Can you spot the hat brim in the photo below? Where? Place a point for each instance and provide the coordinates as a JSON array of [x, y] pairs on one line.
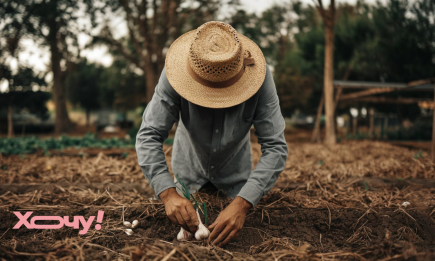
[[191, 90]]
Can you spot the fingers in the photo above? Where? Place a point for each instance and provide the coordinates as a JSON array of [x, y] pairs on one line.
[[213, 225], [173, 219], [217, 229], [181, 221], [192, 213], [230, 237], [222, 235], [189, 216]]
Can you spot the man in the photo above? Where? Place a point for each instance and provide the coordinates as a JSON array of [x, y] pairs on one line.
[[216, 84]]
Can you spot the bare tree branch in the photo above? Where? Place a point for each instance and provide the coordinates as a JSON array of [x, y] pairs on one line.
[[332, 11], [321, 9], [109, 40], [320, 4]]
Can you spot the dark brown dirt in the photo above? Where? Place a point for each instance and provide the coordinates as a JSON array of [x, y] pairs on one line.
[[374, 234], [349, 207]]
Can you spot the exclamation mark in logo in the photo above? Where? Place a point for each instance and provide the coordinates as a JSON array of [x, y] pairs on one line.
[[99, 219]]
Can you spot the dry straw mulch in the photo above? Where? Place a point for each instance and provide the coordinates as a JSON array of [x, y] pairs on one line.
[[347, 176]]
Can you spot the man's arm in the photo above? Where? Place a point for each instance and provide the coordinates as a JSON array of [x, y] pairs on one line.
[[159, 117], [269, 125], [269, 129]]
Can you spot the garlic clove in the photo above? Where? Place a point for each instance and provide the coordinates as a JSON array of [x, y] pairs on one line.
[[135, 224], [127, 224], [128, 231], [202, 232], [184, 235], [406, 203]]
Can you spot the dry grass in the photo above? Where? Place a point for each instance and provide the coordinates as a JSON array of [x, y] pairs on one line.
[[315, 177]]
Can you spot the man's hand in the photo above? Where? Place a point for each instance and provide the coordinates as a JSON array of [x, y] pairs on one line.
[[179, 210], [230, 222]]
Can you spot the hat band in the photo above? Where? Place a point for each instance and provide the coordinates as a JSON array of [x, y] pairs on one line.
[[223, 84]]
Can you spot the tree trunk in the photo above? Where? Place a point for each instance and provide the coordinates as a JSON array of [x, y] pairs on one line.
[[10, 123], [433, 130], [316, 132], [330, 138], [151, 82], [62, 121]]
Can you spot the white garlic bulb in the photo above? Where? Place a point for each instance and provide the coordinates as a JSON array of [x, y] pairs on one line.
[[202, 232], [135, 224], [128, 231], [184, 235], [127, 224]]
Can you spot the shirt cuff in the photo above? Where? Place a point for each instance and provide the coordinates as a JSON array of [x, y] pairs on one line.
[[251, 192], [161, 183]]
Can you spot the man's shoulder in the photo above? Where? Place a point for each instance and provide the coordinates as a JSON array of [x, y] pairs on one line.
[[164, 79], [268, 87], [164, 87]]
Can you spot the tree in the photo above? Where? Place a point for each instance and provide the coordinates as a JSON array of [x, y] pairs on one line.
[[84, 84], [152, 27], [328, 81], [20, 95], [51, 23], [92, 86], [406, 46], [20, 83], [124, 86]]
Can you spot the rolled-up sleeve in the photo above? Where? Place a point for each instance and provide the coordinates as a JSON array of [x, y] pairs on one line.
[[159, 117], [269, 128]]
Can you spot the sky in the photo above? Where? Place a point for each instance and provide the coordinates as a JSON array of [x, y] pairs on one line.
[[39, 58]]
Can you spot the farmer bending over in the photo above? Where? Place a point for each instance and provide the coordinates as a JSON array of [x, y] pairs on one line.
[[216, 84]]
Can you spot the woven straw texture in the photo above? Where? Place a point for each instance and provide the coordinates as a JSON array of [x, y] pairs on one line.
[[215, 52]]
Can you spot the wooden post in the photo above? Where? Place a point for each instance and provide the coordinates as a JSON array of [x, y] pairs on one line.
[[433, 130], [371, 122], [10, 122], [354, 125], [315, 137], [385, 127]]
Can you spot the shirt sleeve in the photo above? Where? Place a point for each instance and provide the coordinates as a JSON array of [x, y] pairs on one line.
[[158, 118], [269, 128]]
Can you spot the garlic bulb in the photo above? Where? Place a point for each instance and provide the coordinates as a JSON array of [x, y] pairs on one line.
[[184, 235], [128, 231], [127, 224], [135, 224], [202, 232]]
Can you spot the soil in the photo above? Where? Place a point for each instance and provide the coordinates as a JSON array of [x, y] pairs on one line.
[[347, 208]]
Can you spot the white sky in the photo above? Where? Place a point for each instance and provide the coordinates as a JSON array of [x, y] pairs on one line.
[[39, 57]]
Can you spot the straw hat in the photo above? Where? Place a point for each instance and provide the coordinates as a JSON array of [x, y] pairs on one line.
[[214, 66]]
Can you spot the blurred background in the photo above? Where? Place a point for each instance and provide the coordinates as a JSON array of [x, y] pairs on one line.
[[88, 68]]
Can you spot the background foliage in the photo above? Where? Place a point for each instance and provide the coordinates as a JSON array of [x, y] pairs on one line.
[[392, 42]]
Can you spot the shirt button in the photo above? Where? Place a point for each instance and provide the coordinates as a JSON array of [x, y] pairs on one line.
[[212, 167], [217, 131], [214, 150]]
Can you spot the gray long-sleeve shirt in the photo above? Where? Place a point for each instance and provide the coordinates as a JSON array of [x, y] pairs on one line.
[[213, 144]]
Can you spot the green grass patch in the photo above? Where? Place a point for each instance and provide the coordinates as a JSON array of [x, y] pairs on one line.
[[29, 145]]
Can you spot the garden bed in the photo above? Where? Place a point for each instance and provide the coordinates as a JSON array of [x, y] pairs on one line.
[[331, 203]]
